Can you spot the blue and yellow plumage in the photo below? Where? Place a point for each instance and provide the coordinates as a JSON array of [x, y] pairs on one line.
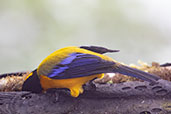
[[72, 67]]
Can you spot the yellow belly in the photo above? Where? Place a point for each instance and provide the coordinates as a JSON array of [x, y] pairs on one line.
[[74, 84]]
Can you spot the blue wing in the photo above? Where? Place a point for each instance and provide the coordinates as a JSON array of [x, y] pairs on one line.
[[80, 65]]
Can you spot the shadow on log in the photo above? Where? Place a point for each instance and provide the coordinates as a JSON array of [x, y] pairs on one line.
[[124, 98]]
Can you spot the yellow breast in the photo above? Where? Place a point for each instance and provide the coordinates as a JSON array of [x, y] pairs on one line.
[[74, 84]]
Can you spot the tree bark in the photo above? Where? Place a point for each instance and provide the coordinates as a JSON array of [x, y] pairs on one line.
[[124, 98]]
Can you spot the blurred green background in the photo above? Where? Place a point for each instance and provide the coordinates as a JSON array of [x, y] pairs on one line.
[[32, 29]]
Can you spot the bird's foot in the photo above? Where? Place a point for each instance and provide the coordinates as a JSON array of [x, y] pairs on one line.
[[56, 92], [89, 86]]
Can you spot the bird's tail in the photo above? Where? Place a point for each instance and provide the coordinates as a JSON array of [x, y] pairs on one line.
[[125, 70]]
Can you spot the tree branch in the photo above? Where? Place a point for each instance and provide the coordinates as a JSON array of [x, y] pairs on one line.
[[124, 98]]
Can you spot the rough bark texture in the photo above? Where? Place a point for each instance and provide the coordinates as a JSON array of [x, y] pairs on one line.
[[124, 98]]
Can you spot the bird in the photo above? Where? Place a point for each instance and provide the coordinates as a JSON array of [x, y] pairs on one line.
[[72, 67]]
